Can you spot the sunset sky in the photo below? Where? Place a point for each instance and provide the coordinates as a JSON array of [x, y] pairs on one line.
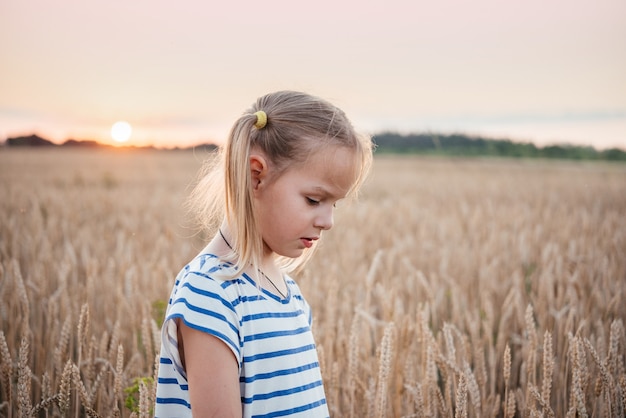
[[547, 71]]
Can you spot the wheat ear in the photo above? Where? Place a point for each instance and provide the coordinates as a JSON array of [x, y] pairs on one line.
[[605, 377], [622, 387], [506, 370], [418, 398], [472, 388], [510, 406], [461, 398], [548, 367], [384, 369], [613, 355], [532, 339], [144, 400], [80, 387], [6, 369], [544, 405], [24, 404], [117, 381], [65, 388], [578, 377]]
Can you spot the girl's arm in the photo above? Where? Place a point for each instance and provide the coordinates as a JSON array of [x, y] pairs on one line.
[[212, 374]]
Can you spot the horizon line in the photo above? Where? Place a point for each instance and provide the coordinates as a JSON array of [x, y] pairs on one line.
[[215, 144]]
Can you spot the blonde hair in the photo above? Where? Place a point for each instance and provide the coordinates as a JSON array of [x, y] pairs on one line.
[[298, 125]]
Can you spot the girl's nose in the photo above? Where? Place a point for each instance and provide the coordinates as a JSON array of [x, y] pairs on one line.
[[325, 219]]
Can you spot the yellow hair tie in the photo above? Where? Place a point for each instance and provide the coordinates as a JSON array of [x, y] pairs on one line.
[[261, 119]]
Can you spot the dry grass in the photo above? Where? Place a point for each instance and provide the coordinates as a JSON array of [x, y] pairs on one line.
[[453, 288]]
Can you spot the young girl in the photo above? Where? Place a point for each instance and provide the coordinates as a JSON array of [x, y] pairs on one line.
[[237, 336]]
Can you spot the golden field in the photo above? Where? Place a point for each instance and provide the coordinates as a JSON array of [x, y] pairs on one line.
[[452, 287]]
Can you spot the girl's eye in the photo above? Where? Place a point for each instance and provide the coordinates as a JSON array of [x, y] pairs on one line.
[[312, 202]]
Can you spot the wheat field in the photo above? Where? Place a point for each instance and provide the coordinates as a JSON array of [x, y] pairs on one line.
[[451, 288]]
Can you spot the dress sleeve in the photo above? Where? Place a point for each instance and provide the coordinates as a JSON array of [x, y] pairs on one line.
[[202, 303]]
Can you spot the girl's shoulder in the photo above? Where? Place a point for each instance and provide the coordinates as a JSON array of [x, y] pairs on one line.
[[209, 275], [210, 264], [206, 271]]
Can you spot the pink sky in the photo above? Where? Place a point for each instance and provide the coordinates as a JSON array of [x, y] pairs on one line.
[[180, 73]]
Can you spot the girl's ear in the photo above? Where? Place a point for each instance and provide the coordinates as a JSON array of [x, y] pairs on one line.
[[258, 170]]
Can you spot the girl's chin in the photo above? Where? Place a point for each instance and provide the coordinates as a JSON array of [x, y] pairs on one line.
[[293, 253]]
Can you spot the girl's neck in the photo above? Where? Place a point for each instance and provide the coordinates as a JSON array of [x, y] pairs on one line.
[[224, 236], [268, 272]]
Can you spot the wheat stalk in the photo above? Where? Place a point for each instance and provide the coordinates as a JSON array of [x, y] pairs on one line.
[[84, 396], [614, 337], [507, 378], [95, 387], [61, 347], [353, 361], [82, 330], [146, 338], [384, 370], [532, 339], [371, 398], [23, 298], [371, 275]]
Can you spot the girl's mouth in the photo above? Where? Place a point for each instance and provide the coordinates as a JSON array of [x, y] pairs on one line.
[[308, 242]]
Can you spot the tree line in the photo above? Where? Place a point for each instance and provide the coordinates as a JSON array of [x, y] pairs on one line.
[[420, 143], [464, 145]]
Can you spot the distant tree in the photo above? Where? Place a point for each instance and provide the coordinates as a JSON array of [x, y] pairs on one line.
[[613, 154], [81, 143], [29, 141], [464, 145]]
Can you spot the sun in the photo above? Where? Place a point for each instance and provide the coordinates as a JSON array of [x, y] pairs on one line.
[[120, 131]]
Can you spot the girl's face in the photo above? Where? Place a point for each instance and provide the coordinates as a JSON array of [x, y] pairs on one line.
[[294, 208]]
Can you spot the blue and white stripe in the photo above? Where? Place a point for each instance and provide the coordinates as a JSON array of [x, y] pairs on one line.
[[270, 337]]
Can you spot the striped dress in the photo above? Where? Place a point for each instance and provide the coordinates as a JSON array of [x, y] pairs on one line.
[[271, 338]]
